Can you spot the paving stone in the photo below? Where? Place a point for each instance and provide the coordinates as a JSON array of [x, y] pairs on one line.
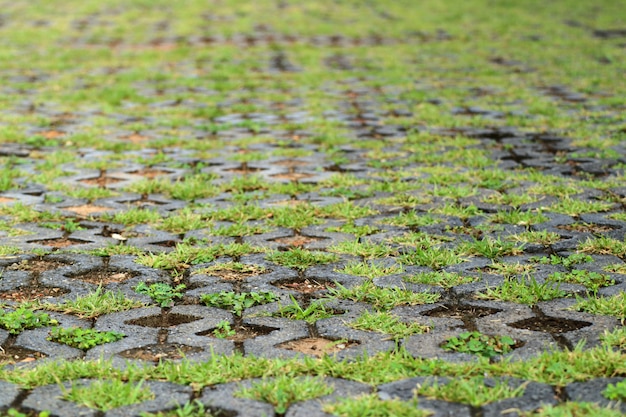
[[8, 394]]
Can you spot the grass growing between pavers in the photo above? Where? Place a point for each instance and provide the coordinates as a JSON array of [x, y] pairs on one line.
[[366, 139]]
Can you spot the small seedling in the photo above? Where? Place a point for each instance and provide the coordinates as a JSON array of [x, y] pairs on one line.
[[23, 319], [616, 392], [236, 303], [480, 344], [283, 391], [223, 330], [316, 310], [161, 293], [80, 338]]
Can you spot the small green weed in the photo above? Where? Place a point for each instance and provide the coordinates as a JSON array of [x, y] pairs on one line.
[[236, 303], [480, 344], [615, 392], [82, 338], [383, 299], [223, 330], [282, 391], [440, 278], [23, 318], [301, 258], [315, 311], [161, 293], [592, 280], [387, 323], [524, 291], [95, 304], [371, 406], [607, 306]]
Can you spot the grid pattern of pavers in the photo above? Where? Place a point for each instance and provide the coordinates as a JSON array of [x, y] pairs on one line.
[[202, 161]]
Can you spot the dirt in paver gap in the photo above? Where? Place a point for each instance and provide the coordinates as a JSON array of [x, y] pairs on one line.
[[31, 293], [17, 354], [297, 240], [163, 320], [103, 276], [304, 286], [36, 266], [466, 313], [242, 332], [552, 325], [586, 228], [317, 346], [59, 243], [87, 209], [156, 352]]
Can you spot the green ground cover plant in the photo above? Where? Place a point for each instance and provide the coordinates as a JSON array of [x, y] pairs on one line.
[[161, 293], [480, 344], [23, 318], [82, 338], [435, 134]]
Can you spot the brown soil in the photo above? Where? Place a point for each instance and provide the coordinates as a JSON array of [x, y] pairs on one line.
[[87, 209], [135, 138], [16, 354], [297, 240], [36, 266], [6, 200], [101, 181], [586, 228], [151, 172], [292, 176], [243, 169], [52, 134], [305, 286], [316, 346], [154, 353], [243, 332], [461, 312], [163, 320], [290, 163], [237, 276], [103, 277], [550, 324], [61, 242], [289, 203], [32, 293]]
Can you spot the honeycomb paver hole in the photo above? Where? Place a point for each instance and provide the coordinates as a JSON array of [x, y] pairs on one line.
[[297, 240], [242, 332], [156, 352], [87, 209], [150, 172], [6, 200], [229, 275], [550, 324], [290, 163], [304, 286], [461, 311], [292, 176], [36, 266], [317, 346], [61, 242], [32, 293], [586, 228], [103, 277], [18, 354], [135, 138], [101, 181], [243, 169], [163, 320]]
